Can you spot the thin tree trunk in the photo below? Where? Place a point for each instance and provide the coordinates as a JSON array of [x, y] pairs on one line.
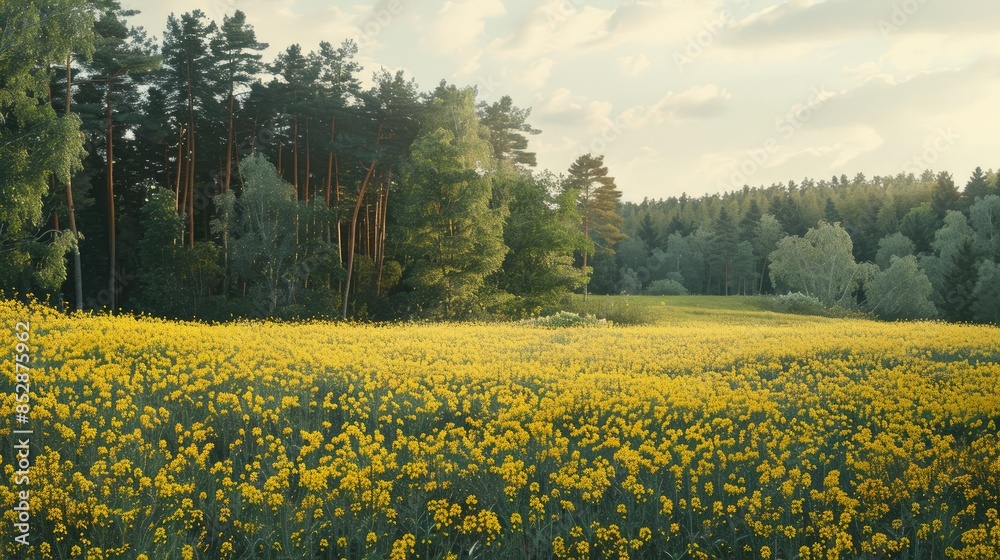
[[295, 155], [329, 177], [179, 201], [336, 185], [77, 268], [726, 273], [366, 224], [112, 285], [295, 173], [381, 241], [351, 237], [586, 236], [191, 154], [189, 188], [306, 181], [166, 164], [229, 145]]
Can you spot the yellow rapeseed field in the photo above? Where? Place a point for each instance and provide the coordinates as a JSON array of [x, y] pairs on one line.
[[710, 434]]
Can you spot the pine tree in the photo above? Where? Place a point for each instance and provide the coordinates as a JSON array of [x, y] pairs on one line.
[[507, 127], [597, 198], [190, 80], [235, 47], [648, 233], [960, 283], [945, 195], [749, 221], [725, 240], [123, 54], [830, 213], [977, 187]]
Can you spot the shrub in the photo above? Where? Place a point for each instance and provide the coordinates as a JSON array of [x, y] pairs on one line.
[[666, 288], [564, 319], [629, 282], [616, 309], [799, 304]]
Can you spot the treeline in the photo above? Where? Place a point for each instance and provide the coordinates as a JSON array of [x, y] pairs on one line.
[[191, 178], [901, 247]]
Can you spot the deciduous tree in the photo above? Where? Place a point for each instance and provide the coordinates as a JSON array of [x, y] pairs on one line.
[[820, 264], [900, 291]]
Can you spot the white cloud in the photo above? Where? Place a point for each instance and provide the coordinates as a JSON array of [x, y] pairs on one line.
[[861, 140], [458, 30], [645, 155], [852, 141], [841, 20], [461, 24], [699, 102], [562, 107], [554, 27], [632, 66], [538, 73]]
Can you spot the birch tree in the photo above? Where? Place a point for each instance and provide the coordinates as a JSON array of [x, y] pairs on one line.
[[820, 264]]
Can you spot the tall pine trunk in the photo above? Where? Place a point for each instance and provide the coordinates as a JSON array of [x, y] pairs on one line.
[[77, 268], [329, 178], [295, 156], [306, 179], [179, 201], [112, 285], [382, 234], [191, 155], [352, 234], [229, 145], [586, 278]]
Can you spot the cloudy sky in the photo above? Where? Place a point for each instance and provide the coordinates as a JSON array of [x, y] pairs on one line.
[[696, 96]]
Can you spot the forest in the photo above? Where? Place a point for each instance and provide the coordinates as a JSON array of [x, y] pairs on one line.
[[192, 178]]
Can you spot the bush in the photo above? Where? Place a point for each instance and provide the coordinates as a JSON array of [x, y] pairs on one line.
[[564, 319], [629, 282], [666, 288], [799, 304], [616, 309]]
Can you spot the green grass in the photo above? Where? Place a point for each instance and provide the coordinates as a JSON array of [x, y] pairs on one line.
[[637, 310]]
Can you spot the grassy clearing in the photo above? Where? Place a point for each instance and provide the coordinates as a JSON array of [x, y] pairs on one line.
[[635, 310]]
